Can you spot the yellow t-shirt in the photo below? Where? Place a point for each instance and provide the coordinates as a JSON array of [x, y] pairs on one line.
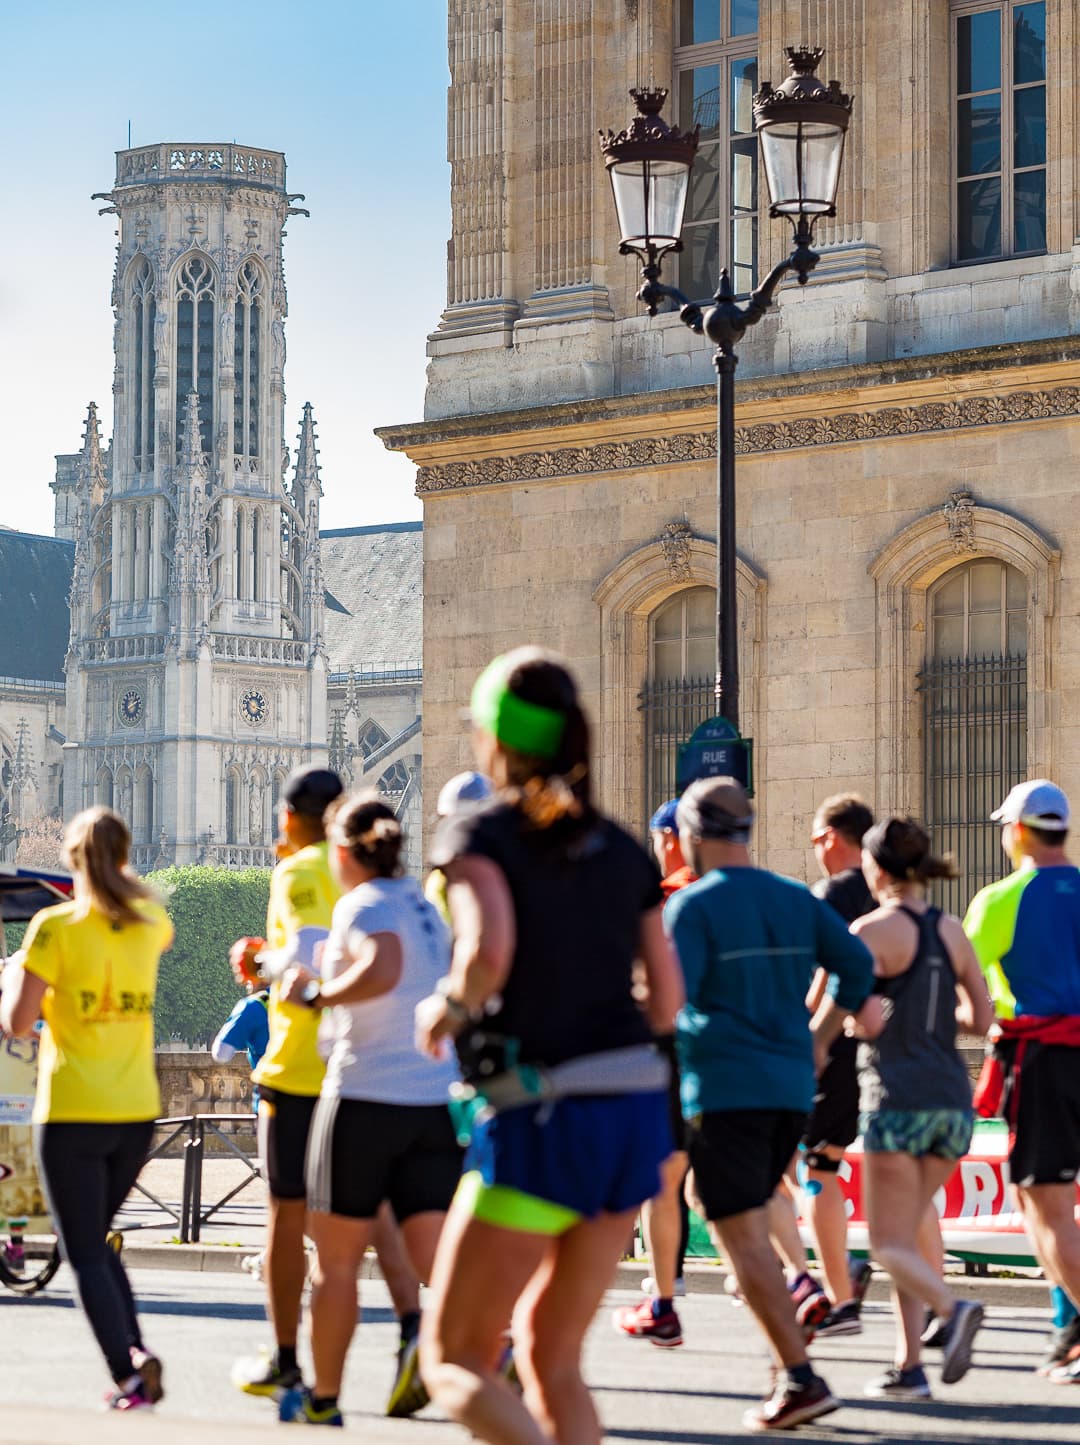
[[96, 1063], [302, 896]]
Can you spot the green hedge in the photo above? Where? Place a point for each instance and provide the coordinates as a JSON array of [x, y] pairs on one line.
[[210, 909]]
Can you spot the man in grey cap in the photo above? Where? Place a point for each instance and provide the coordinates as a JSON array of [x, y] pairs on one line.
[[1026, 932], [750, 943]]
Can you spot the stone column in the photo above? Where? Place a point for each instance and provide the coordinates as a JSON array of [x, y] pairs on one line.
[[476, 270], [565, 172]]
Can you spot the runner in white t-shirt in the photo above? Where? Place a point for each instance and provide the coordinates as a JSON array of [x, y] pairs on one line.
[[381, 1129]]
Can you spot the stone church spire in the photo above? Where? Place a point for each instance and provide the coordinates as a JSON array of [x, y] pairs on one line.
[[93, 479], [306, 483], [90, 582]]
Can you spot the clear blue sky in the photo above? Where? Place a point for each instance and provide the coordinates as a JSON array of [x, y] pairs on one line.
[[353, 93]]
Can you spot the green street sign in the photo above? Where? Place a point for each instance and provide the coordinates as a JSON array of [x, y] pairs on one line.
[[715, 750]]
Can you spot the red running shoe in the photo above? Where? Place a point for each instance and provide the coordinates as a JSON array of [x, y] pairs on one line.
[[641, 1323], [811, 1304]]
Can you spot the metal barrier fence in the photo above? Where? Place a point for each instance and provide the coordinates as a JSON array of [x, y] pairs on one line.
[[188, 1135]]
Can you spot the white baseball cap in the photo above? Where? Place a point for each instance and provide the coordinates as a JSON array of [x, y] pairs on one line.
[[1039, 804], [461, 792]]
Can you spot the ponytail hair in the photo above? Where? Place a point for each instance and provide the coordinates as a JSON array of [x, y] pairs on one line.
[[901, 847], [96, 844], [368, 830], [555, 788]]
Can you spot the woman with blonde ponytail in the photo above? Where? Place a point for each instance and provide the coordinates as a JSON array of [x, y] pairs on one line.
[[552, 905], [89, 969]]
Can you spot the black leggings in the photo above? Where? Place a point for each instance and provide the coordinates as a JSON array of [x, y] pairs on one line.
[[87, 1171]]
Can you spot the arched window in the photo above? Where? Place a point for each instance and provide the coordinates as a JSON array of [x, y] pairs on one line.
[[394, 781], [683, 636], [371, 737], [144, 806], [234, 805], [103, 788], [679, 692], [254, 556], [974, 694], [195, 342], [143, 315], [246, 358]]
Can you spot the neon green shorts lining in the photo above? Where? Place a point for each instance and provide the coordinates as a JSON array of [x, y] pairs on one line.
[[510, 1208]]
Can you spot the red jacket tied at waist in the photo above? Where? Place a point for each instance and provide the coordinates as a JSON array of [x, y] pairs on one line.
[[1015, 1035]]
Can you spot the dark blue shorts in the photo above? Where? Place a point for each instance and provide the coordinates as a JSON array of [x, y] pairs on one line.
[[592, 1155]]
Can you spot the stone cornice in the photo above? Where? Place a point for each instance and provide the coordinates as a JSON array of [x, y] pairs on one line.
[[911, 379], [808, 431]]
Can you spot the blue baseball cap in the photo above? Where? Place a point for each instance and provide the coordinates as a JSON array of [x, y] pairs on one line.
[[1038, 804], [663, 820]]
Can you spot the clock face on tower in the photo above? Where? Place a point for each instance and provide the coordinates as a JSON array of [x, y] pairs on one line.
[[129, 707], [254, 708]]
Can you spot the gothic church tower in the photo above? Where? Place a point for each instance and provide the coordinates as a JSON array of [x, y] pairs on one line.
[[196, 676]]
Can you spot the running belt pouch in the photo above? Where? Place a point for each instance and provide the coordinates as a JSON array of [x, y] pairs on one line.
[[638, 1068]]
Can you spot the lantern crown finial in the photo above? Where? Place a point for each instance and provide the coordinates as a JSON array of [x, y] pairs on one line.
[[803, 59], [803, 85], [648, 134]]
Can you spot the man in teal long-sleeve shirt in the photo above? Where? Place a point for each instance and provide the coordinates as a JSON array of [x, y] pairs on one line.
[[750, 943]]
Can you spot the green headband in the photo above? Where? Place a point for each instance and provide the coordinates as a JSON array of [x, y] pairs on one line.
[[524, 726]]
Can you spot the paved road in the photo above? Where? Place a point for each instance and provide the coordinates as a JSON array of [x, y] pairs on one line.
[[51, 1377]]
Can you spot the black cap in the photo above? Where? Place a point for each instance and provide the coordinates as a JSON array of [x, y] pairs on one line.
[[310, 791]]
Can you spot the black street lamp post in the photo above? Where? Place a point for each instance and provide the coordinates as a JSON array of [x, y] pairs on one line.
[[801, 127]]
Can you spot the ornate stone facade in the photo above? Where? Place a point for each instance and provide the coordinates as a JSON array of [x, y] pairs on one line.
[[196, 672], [900, 419]]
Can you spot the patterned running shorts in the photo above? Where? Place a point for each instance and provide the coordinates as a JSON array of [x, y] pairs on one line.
[[944, 1132]]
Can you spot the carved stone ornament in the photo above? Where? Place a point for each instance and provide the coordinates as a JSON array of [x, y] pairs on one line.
[[934, 416], [959, 514], [675, 542]]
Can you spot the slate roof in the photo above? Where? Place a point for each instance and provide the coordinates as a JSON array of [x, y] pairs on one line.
[[35, 579], [374, 596], [374, 600]]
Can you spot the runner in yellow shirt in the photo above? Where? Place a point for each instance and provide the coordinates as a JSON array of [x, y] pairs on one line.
[[289, 1075], [89, 969]]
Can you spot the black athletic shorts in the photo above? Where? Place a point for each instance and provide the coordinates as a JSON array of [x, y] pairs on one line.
[[739, 1156], [362, 1153], [834, 1118], [1043, 1109], [283, 1125]]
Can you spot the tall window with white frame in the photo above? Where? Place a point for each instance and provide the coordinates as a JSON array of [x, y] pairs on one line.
[[999, 79], [974, 693], [716, 75], [678, 693]]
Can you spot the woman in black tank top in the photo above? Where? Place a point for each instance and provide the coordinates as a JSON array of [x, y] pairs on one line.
[[915, 1095]]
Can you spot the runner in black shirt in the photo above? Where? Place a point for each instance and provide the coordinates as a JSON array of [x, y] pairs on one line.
[[551, 905], [837, 832]]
